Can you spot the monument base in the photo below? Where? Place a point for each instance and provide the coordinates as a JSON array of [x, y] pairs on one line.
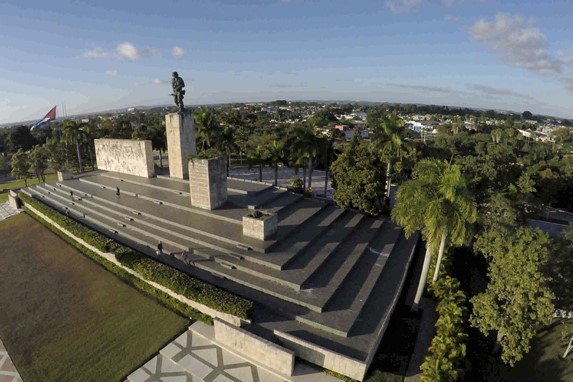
[[180, 130]]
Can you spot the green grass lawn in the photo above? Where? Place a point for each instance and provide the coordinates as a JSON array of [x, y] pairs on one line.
[[19, 183], [65, 318]]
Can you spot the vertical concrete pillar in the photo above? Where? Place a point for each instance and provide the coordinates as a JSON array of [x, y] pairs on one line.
[[180, 129], [208, 182]]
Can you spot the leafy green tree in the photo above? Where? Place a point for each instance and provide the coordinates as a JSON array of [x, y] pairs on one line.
[[38, 158], [57, 154], [21, 165], [517, 300], [20, 138], [322, 118], [358, 178]]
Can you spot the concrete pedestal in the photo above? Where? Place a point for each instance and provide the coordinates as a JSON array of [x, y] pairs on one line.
[[180, 129], [260, 225], [65, 175], [208, 182]]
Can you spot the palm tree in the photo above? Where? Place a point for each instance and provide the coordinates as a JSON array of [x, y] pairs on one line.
[[276, 154], [227, 145], [387, 140], [437, 202], [305, 146], [258, 157], [73, 134], [207, 128], [327, 148]]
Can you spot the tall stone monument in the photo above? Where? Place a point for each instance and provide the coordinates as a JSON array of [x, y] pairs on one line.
[[180, 129]]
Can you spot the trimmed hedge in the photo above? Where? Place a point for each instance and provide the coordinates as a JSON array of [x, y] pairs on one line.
[[445, 360], [150, 269]]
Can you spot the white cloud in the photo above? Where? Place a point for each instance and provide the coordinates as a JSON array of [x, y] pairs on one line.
[[517, 42], [158, 81], [177, 51], [96, 53], [128, 51], [402, 6], [113, 73]]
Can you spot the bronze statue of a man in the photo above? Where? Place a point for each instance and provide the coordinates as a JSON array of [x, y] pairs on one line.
[[178, 84]]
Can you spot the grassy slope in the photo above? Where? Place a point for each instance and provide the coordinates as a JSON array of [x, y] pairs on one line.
[[19, 183], [65, 318]]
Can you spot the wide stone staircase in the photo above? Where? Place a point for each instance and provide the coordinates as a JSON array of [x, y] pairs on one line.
[[329, 278]]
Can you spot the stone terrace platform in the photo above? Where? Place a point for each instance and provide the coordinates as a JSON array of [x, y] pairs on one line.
[[324, 286]]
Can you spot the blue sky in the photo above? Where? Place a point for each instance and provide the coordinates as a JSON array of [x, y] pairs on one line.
[[99, 55]]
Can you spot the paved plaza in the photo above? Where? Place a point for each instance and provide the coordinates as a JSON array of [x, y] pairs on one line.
[[6, 211], [8, 372]]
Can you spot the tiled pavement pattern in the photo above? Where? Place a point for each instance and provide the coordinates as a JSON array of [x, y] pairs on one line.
[[193, 357], [6, 211], [8, 372]]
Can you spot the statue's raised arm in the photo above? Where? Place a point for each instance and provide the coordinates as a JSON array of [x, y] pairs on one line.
[[178, 84]]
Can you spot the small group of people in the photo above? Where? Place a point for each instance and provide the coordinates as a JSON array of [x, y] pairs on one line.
[[185, 256]]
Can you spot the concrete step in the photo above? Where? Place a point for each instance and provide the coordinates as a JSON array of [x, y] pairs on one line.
[[325, 247], [153, 183], [185, 237], [333, 271], [341, 319], [163, 216], [281, 202], [387, 290], [130, 230], [161, 198], [358, 283], [143, 244], [300, 235]]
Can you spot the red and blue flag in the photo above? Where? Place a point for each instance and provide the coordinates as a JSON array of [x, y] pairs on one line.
[[46, 120]]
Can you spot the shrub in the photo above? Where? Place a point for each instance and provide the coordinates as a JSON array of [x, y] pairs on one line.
[[150, 269], [445, 360]]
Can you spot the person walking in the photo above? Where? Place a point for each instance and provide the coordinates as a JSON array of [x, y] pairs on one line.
[[117, 191], [72, 195], [159, 248]]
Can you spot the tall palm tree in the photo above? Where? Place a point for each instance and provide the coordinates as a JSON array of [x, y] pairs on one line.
[[327, 148], [73, 134], [437, 202], [306, 146], [276, 154], [258, 157], [388, 141], [227, 145]]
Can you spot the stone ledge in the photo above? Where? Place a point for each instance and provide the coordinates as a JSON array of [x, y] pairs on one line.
[[271, 355]]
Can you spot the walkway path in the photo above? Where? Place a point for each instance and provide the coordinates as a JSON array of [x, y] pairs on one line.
[[6, 211], [426, 333], [8, 372]]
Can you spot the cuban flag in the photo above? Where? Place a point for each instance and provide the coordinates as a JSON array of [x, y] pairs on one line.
[[46, 120]]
